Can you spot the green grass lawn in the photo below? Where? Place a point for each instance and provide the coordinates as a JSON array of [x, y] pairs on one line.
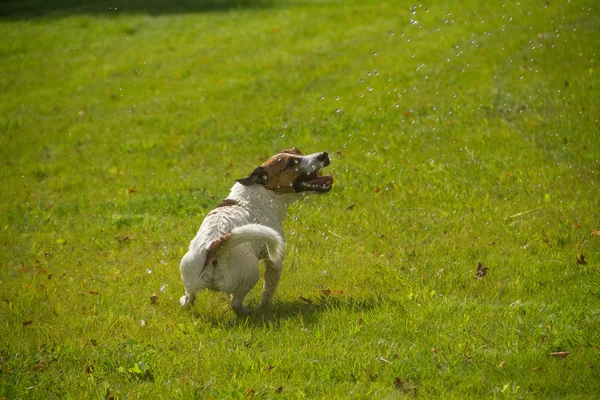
[[460, 133]]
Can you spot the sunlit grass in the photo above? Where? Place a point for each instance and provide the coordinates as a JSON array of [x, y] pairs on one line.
[[460, 133]]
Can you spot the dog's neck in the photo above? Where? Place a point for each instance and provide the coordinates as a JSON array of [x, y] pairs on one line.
[[254, 195]]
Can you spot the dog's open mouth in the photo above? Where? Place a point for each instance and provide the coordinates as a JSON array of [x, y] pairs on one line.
[[314, 182]]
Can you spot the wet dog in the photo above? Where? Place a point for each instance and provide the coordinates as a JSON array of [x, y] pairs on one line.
[[247, 227]]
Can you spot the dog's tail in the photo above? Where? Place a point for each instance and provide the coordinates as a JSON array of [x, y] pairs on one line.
[[250, 233]]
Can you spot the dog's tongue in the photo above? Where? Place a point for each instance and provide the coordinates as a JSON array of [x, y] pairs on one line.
[[321, 179]]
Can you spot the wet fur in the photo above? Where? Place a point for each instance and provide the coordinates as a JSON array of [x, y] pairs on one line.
[[244, 229]]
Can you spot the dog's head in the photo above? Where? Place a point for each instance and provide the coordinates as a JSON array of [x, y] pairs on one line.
[[290, 171]]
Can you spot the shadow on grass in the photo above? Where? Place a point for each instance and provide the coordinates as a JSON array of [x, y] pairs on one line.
[[309, 312], [26, 9]]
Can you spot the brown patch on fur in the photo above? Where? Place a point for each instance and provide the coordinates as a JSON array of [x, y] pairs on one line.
[[293, 150], [224, 203], [228, 203], [214, 246], [281, 172]]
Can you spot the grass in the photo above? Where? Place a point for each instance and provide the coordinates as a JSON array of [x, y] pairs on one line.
[[462, 132]]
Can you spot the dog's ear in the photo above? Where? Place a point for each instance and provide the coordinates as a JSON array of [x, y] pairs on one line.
[[293, 150], [259, 175]]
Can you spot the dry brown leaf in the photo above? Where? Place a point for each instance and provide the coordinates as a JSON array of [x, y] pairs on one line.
[[482, 271], [154, 298], [93, 292], [581, 259], [28, 322], [398, 383]]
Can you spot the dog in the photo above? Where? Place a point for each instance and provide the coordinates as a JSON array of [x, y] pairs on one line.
[[246, 227]]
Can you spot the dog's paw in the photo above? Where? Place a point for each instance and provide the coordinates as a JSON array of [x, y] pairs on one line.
[[186, 301], [242, 311]]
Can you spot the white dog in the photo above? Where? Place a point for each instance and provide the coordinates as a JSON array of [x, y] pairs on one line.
[[246, 227]]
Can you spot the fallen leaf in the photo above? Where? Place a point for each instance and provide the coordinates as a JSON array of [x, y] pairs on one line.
[[597, 233], [501, 364], [398, 383], [93, 292], [89, 369], [581, 260], [328, 292], [562, 354], [154, 298], [269, 367], [576, 225], [41, 367], [304, 299], [124, 238], [250, 393], [482, 271], [536, 368], [28, 322]]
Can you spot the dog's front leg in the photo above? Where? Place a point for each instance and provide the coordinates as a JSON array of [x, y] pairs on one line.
[[272, 276]]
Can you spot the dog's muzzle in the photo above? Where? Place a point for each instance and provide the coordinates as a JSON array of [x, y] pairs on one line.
[[315, 181]]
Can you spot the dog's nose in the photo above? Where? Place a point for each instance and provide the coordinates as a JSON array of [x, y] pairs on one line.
[[324, 156]]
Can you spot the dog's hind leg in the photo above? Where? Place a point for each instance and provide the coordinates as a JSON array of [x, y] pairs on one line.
[[272, 276], [190, 267], [237, 304]]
